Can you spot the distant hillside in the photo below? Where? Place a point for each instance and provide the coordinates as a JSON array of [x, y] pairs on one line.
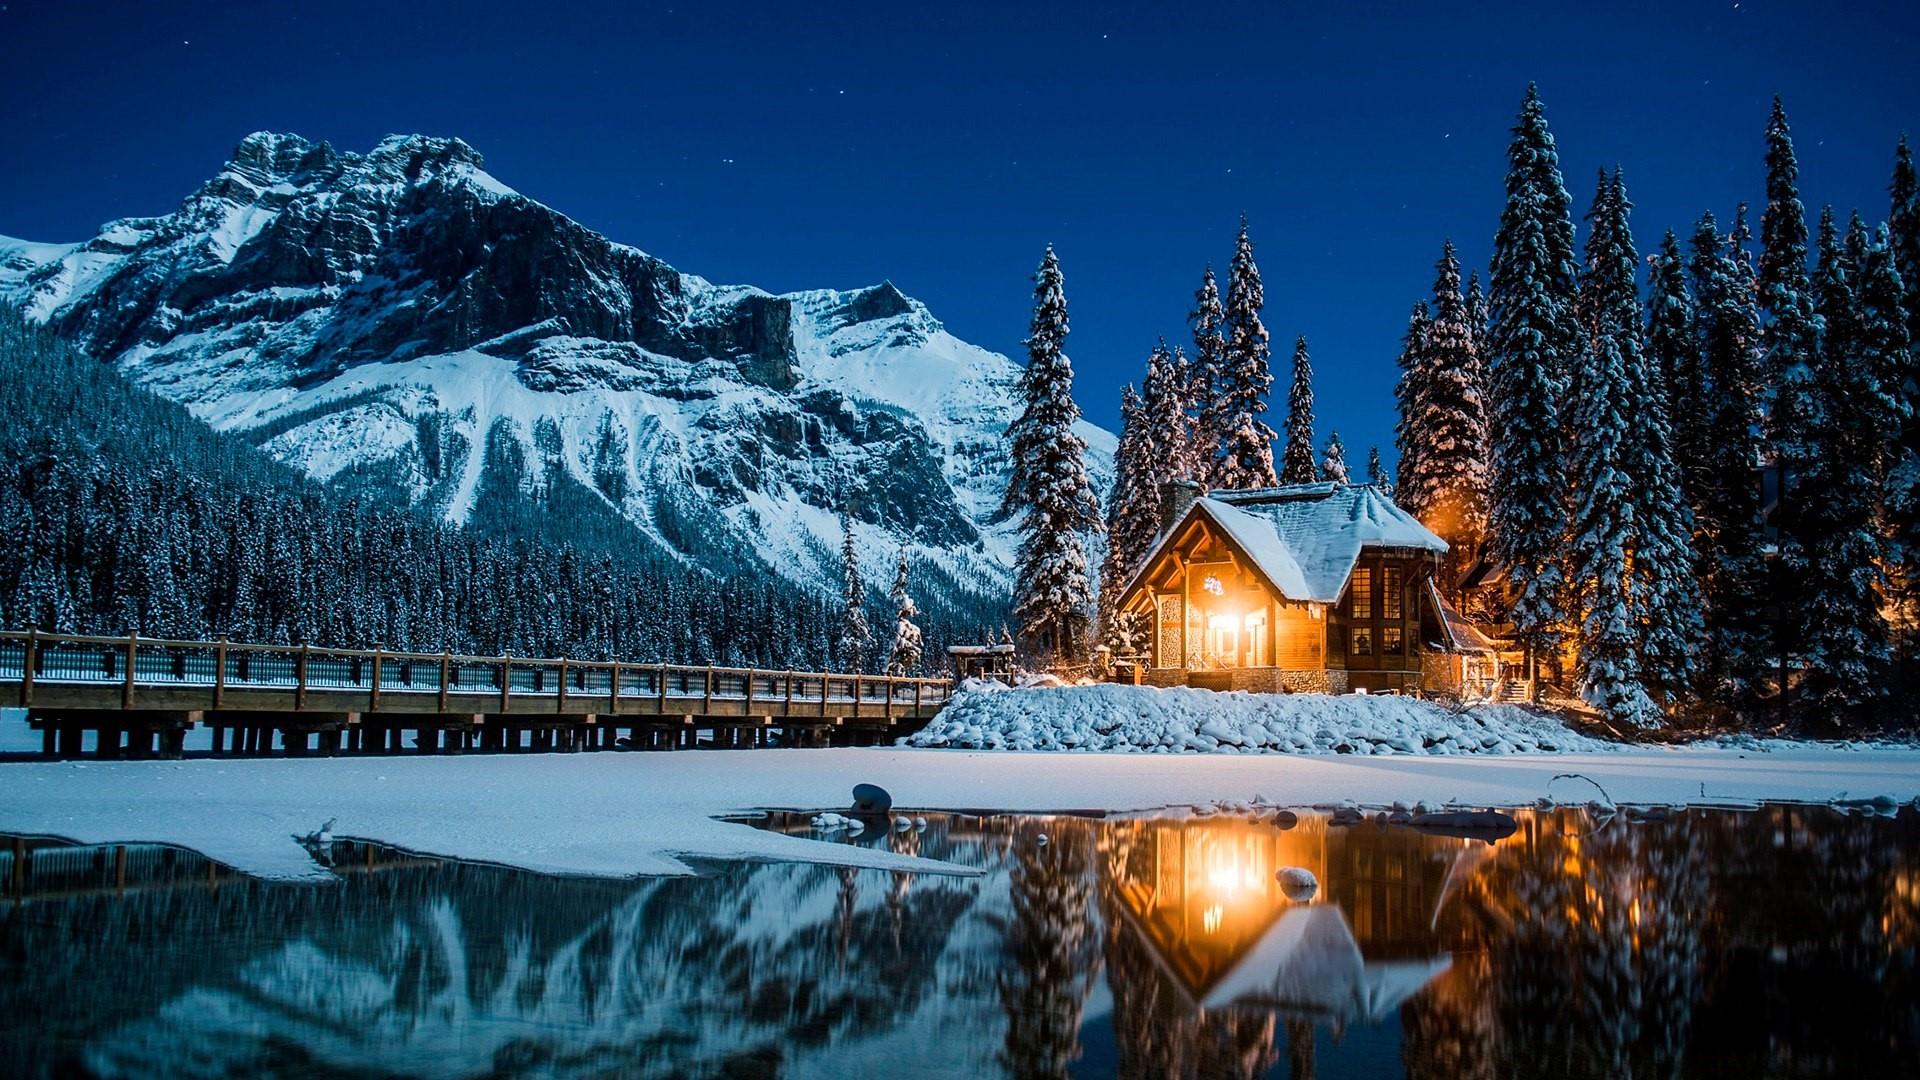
[[404, 327], [123, 511]]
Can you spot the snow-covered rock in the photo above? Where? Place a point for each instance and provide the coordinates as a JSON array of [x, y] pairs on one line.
[[1145, 719], [399, 322]]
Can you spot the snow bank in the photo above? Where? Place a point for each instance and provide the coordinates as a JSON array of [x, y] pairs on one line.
[[988, 716], [619, 814]]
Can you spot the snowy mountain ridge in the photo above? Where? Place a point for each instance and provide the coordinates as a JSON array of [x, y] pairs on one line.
[[403, 325]]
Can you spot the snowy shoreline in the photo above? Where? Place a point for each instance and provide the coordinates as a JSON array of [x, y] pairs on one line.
[[635, 814]]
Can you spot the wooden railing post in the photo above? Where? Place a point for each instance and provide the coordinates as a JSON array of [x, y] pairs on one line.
[[300, 677], [749, 711], [506, 681], [789, 691], [613, 688], [220, 672], [660, 691], [126, 687], [856, 697], [706, 704], [446, 678], [919, 687], [26, 667], [889, 708], [560, 702], [373, 691]]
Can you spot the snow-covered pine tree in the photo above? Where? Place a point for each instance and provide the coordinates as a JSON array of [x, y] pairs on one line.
[[1447, 486], [1409, 396], [1333, 464], [1166, 427], [1791, 334], [1673, 345], [1844, 635], [1477, 322], [1377, 473], [855, 639], [1049, 487], [1885, 346], [1903, 227], [1601, 552], [1665, 570], [609, 466], [904, 657], [1728, 518], [1206, 375], [1132, 505], [1246, 442], [1532, 337], [1296, 460]]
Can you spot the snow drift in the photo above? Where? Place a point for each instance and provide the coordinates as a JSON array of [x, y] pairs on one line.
[[989, 716]]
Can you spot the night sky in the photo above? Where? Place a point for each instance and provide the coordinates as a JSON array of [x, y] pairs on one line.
[[806, 145]]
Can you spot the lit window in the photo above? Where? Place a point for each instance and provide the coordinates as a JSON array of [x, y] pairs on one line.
[[1390, 592], [1362, 592], [1362, 641], [1391, 643]]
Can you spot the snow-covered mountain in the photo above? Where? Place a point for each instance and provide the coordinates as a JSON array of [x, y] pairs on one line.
[[402, 325]]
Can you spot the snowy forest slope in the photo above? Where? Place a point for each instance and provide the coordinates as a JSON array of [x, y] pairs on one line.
[[403, 327]]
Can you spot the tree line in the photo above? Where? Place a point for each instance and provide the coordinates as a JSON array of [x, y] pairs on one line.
[[127, 514]]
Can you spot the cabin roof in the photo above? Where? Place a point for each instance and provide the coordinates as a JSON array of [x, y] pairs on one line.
[[1457, 634], [1305, 538]]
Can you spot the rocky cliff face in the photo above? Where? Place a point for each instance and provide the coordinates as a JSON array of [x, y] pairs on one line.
[[405, 326]]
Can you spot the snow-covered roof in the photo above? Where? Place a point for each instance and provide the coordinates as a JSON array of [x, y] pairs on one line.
[[1306, 537], [1460, 635]]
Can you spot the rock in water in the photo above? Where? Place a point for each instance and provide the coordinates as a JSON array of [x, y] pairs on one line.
[[1297, 883], [1286, 819], [871, 799]]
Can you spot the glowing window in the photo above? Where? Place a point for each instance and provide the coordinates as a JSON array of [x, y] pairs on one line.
[[1390, 592], [1362, 641], [1362, 591]]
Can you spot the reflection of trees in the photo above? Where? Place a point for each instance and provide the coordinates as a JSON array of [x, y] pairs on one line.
[[1052, 951]]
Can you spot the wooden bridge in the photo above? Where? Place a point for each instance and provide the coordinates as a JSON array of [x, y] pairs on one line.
[[139, 697]]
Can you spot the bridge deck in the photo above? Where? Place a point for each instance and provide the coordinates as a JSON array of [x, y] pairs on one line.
[[70, 684]]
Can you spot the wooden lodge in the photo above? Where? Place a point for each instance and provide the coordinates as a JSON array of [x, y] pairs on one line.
[[1309, 587]]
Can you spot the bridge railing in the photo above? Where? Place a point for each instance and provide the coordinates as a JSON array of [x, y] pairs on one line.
[[33, 658]]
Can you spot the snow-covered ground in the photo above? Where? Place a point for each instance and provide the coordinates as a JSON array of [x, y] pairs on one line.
[[990, 716], [615, 814]]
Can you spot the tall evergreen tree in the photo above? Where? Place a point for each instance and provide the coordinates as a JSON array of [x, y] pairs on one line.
[[1049, 486], [1444, 419], [1884, 343], [1477, 322], [855, 639], [908, 644], [1246, 442], [1665, 572], [1409, 396], [1532, 336], [1333, 464], [1132, 505], [1377, 473], [1166, 430], [1791, 333], [1903, 226], [1673, 345], [1296, 461], [1602, 550], [1845, 635], [1729, 517], [1207, 377]]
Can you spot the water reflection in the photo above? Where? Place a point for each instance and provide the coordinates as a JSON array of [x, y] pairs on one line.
[[1779, 942]]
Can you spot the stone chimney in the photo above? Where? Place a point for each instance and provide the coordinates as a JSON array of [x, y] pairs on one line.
[[1175, 497]]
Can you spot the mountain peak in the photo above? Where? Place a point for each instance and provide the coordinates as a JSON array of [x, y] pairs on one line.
[[414, 154]]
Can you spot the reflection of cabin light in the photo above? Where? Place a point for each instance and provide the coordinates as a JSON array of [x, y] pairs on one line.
[[1210, 919]]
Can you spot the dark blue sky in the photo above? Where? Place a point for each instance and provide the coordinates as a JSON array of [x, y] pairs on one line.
[[804, 145]]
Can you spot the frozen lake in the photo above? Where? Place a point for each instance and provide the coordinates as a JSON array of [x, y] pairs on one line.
[[1777, 941]]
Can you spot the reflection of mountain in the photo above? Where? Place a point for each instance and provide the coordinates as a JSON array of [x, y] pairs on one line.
[[1780, 942]]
